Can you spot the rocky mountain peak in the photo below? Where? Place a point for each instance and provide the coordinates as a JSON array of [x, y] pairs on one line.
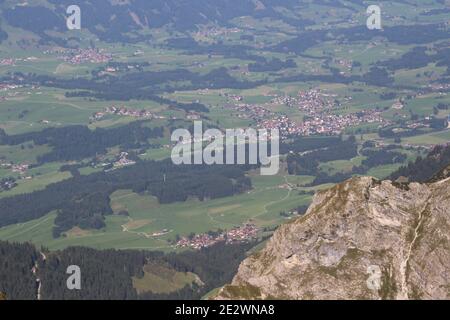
[[362, 239]]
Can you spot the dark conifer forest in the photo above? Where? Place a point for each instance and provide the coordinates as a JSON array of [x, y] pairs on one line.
[[107, 274]]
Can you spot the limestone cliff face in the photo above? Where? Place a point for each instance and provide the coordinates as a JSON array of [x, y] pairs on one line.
[[362, 239]]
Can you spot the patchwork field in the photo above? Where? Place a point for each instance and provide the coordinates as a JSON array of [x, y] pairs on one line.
[[261, 64]]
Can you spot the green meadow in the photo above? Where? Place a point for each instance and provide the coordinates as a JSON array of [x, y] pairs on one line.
[[42, 108], [261, 206], [29, 110], [161, 279]]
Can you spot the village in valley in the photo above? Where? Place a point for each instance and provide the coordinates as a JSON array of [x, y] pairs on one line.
[[245, 233], [122, 111], [18, 170], [319, 109], [79, 56], [246, 74]]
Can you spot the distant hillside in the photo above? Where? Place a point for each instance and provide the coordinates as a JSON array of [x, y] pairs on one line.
[[129, 21], [119, 20]]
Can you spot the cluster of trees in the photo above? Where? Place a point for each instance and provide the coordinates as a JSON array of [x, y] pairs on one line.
[[79, 142], [388, 96], [302, 144], [7, 184], [308, 162], [306, 40], [145, 85], [401, 34], [271, 65], [193, 106], [37, 19], [443, 106], [388, 132], [3, 35], [86, 211], [215, 266], [378, 76], [414, 59], [107, 274], [322, 177], [302, 209], [84, 199], [120, 67], [374, 158], [17, 281], [391, 132], [306, 153], [424, 169], [418, 57], [438, 124], [382, 157], [404, 35], [327, 78], [190, 46]]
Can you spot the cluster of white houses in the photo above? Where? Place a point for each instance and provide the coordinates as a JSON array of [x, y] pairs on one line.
[[122, 111], [79, 56], [244, 233]]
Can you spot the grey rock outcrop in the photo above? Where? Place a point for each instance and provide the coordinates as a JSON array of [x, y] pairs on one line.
[[362, 239]]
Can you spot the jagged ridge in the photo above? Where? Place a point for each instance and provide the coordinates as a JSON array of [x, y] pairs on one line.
[[359, 225]]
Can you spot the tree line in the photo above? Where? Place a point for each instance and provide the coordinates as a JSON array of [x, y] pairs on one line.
[[83, 200], [424, 169], [107, 274], [79, 142]]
